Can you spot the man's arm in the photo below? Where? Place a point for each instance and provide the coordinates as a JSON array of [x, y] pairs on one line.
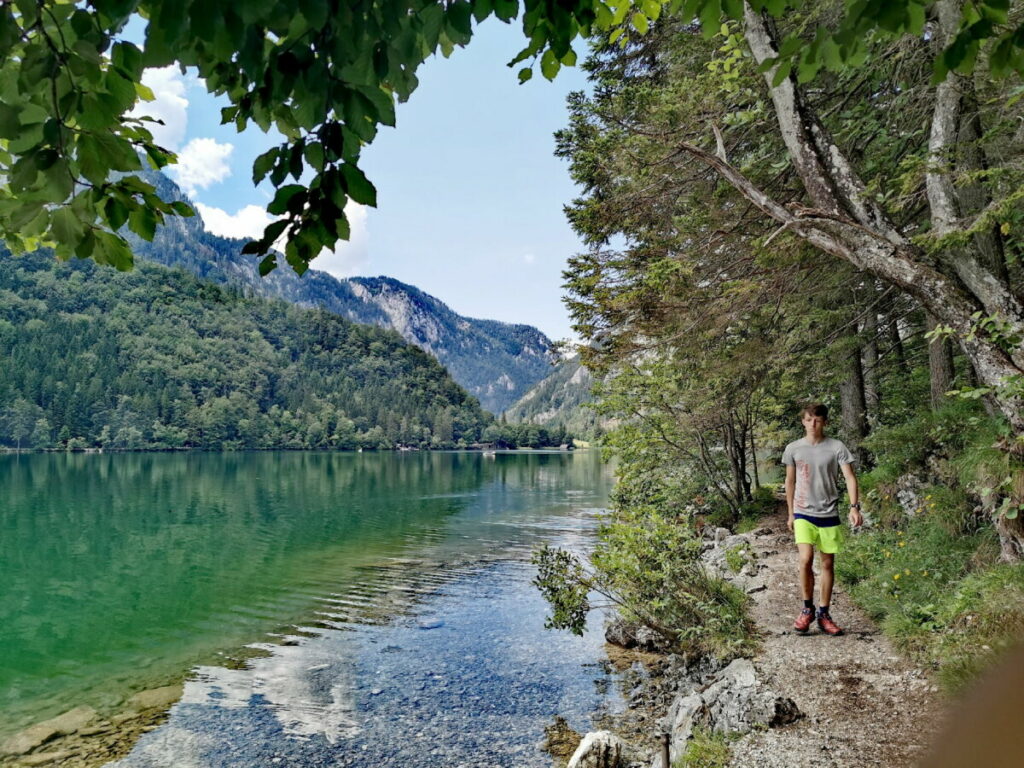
[[790, 490], [856, 518]]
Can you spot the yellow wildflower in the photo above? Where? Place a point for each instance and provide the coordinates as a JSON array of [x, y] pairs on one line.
[[906, 571], [903, 543], [924, 573], [896, 577]]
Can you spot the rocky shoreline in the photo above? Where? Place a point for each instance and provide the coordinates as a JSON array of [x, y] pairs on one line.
[[82, 737], [85, 738], [799, 701]]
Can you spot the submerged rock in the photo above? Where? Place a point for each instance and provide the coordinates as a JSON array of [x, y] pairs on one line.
[[46, 758], [155, 698], [40, 733], [560, 740]]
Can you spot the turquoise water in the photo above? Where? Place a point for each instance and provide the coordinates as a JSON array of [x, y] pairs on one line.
[[123, 571]]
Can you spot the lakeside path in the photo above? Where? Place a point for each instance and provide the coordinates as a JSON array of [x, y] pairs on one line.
[[863, 703]]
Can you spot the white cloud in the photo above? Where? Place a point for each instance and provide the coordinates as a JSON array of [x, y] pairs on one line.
[[529, 258], [170, 105], [347, 258], [202, 162], [247, 224]]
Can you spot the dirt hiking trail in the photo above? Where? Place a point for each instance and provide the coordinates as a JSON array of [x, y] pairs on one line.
[[863, 704]]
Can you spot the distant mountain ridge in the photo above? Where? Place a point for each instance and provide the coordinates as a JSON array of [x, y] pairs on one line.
[[496, 362], [561, 398]]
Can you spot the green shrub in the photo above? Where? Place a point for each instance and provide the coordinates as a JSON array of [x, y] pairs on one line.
[[647, 563], [706, 749], [737, 557], [933, 586]]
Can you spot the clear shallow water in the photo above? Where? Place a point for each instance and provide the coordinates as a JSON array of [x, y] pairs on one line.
[[122, 571]]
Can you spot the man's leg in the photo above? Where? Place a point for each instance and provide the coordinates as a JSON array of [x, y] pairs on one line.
[[827, 578], [825, 622], [807, 571]]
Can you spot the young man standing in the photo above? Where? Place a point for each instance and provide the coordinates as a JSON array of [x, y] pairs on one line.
[[812, 496]]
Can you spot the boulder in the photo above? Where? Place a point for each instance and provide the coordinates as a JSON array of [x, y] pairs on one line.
[[629, 635], [40, 733], [733, 701], [602, 749]]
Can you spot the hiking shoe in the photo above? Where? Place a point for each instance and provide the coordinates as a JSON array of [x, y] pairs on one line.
[[803, 621], [826, 625]]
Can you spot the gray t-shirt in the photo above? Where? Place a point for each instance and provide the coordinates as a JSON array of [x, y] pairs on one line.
[[817, 470]]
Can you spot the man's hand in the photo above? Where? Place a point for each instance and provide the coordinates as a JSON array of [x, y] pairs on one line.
[[789, 523], [856, 518]]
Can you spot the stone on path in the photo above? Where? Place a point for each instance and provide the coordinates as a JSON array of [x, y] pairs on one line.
[[735, 701]]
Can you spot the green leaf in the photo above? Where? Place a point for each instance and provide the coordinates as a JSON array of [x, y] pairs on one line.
[[639, 22], [66, 226], [113, 250], [549, 65], [127, 58], [459, 19], [10, 125], [782, 72], [115, 212], [525, 74], [314, 154], [358, 186], [482, 9], [268, 265], [506, 10], [142, 221], [710, 14], [280, 204]]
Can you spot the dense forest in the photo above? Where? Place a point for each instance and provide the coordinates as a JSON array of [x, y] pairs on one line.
[[715, 309], [156, 359]]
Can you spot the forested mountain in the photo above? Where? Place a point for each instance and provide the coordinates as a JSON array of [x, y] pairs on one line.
[[156, 358], [496, 362], [561, 398]]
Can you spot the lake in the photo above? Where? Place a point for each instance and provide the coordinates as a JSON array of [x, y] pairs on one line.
[[385, 597]]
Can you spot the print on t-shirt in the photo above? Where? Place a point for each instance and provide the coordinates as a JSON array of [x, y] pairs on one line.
[[803, 483]]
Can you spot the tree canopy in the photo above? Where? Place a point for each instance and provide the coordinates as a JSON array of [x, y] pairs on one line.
[[325, 74]]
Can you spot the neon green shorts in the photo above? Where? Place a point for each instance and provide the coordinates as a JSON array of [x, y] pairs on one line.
[[828, 540]]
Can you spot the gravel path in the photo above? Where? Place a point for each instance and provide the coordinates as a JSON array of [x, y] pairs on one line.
[[864, 705]]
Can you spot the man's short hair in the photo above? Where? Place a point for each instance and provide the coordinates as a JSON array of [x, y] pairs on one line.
[[816, 409]]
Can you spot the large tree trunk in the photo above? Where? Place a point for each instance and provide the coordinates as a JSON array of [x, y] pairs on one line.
[[846, 222], [852, 405], [973, 196], [940, 365], [872, 393]]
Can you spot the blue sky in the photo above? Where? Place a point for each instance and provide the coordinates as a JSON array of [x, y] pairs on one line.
[[469, 193]]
